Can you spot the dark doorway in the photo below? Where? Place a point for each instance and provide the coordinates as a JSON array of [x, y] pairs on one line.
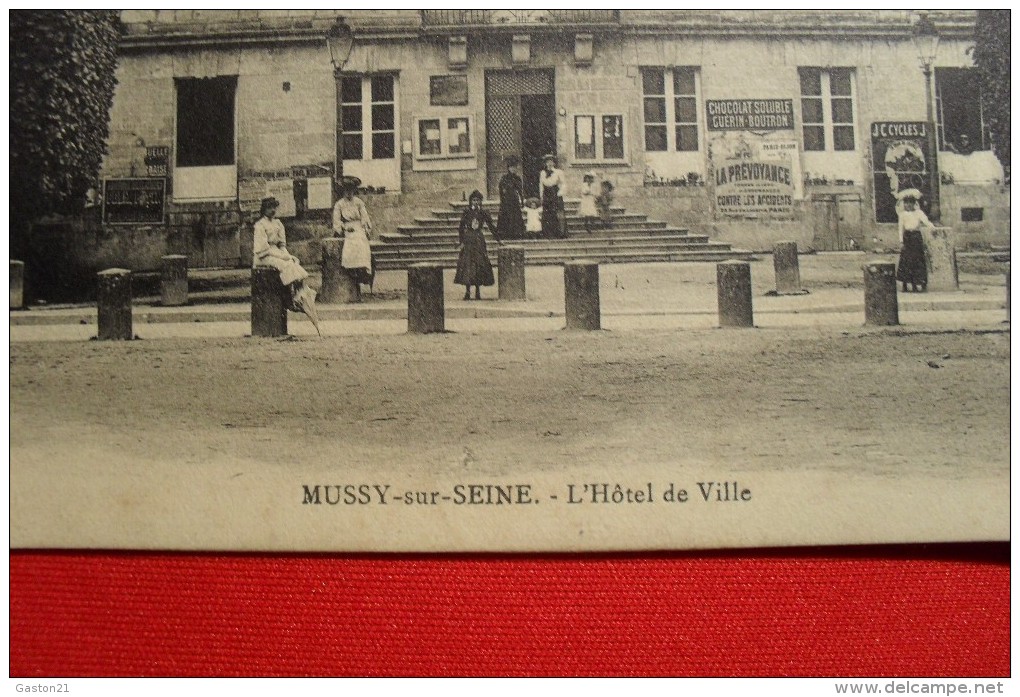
[[520, 110], [538, 137]]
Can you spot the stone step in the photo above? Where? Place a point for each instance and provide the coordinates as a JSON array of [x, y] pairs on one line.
[[664, 235], [619, 218], [713, 253], [421, 233], [576, 250], [455, 213], [450, 241]]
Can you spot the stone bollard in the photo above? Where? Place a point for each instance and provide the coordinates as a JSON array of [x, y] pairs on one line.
[[733, 287], [425, 306], [940, 256], [784, 258], [114, 305], [1007, 296], [174, 280], [581, 291], [881, 308], [17, 284], [269, 302], [511, 273], [339, 285]]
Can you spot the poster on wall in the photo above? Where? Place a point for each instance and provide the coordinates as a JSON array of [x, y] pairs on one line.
[[750, 181], [900, 160]]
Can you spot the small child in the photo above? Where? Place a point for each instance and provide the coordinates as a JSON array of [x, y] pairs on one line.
[[587, 209], [604, 202], [533, 224]]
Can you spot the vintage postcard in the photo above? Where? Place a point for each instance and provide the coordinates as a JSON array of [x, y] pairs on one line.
[[510, 280]]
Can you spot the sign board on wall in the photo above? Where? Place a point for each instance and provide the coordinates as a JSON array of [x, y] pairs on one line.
[[748, 180], [900, 160], [749, 114], [134, 200]]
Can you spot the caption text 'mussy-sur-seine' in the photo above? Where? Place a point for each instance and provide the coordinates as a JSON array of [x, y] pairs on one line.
[[522, 494]]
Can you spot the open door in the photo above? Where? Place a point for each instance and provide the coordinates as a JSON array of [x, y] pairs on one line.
[[520, 112]]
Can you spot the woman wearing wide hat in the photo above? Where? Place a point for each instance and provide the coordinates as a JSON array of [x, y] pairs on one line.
[[552, 190], [351, 221], [510, 225], [473, 266], [912, 267], [270, 249]]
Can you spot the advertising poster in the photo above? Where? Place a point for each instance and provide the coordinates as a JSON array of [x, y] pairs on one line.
[[750, 181], [900, 160]]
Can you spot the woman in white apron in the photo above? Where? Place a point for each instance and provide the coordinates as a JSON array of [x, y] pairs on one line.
[[351, 221]]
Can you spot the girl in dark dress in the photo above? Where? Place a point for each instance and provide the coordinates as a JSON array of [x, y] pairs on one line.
[[510, 225], [473, 266]]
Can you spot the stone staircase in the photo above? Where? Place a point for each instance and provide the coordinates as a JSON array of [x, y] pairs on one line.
[[633, 238]]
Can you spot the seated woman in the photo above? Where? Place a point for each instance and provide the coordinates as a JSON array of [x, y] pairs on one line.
[[351, 221], [270, 249]]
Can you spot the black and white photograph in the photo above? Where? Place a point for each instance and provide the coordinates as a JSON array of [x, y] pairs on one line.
[[508, 280]]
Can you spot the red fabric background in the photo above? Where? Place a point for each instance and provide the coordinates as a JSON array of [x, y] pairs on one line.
[[940, 610]]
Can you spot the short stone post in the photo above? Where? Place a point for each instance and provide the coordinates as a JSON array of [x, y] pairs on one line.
[[425, 304], [784, 258], [581, 293], [268, 302], [733, 287], [511, 273], [881, 308], [339, 285], [114, 305], [174, 280], [17, 284], [1007, 296], [940, 256]]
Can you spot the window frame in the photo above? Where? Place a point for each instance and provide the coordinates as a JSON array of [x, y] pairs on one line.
[[669, 97], [598, 134], [445, 137], [826, 97], [940, 121], [367, 131]]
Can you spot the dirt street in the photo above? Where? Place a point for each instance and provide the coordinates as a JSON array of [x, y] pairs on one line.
[[861, 401]]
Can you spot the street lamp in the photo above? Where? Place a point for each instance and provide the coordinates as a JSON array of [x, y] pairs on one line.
[[340, 41], [926, 41]]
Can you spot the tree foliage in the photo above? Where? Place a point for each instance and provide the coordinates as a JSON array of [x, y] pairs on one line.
[[991, 56], [62, 77]]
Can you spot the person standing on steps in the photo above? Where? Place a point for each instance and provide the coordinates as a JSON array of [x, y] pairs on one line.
[[552, 190], [473, 265], [510, 225], [587, 209]]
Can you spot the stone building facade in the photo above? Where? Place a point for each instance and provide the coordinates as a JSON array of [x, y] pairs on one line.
[[752, 126]]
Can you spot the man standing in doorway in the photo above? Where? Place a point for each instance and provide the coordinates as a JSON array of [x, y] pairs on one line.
[[552, 189]]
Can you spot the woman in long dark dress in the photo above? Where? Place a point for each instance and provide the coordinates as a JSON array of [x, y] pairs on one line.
[[510, 225], [473, 266], [912, 267]]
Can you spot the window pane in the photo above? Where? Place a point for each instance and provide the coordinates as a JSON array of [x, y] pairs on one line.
[[655, 110], [382, 146], [814, 138], [352, 146], [350, 89], [584, 137], [843, 137], [839, 82], [205, 121], [811, 110], [842, 111], [687, 138], [810, 81], [612, 137], [350, 117], [653, 82], [655, 138], [428, 137], [382, 88], [382, 117], [686, 110], [460, 136], [683, 81]]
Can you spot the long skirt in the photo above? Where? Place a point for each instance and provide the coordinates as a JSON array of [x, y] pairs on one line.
[[357, 255], [510, 224], [290, 270], [912, 267], [473, 265], [553, 219]]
